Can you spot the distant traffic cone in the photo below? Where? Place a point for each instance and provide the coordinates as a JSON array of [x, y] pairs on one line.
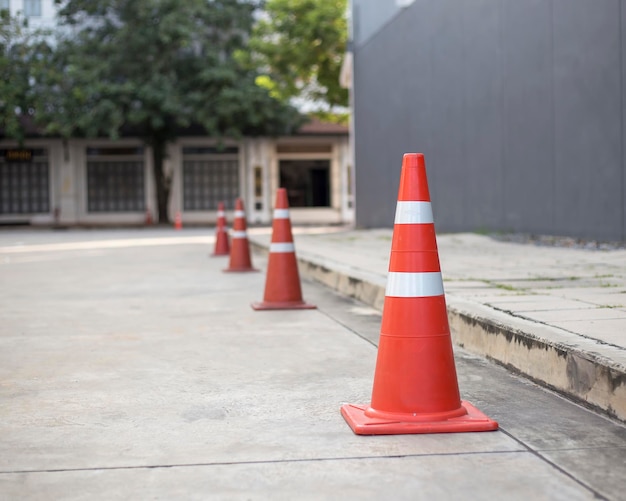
[[415, 384], [282, 283], [148, 219], [222, 247], [240, 247], [178, 222]]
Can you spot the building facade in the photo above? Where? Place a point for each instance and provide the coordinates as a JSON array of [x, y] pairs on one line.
[[98, 181], [518, 106], [38, 13], [91, 182]]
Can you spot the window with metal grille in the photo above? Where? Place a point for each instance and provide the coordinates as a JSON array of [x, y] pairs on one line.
[[24, 184], [209, 178], [115, 180]]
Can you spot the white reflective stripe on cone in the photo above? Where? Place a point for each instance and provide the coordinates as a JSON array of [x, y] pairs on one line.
[[282, 247], [239, 234], [220, 213], [240, 213], [413, 213], [405, 284], [281, 213]]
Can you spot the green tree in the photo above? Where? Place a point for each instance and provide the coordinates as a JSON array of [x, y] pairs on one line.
[[154, 67], [301, 44], [18, 46]]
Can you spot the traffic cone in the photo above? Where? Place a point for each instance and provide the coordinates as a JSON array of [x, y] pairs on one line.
[[148, 219], [415, 386], [282, 283], [240, 247], [178, 222], [222, 247]]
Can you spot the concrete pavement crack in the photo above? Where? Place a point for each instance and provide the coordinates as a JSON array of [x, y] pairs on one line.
[[257, 462], [563, 471]]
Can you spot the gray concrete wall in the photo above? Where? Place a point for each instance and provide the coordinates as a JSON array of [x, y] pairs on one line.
[[518, 106]]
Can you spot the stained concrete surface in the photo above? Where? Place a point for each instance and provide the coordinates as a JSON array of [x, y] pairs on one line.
[[490, 287], [140, 371]]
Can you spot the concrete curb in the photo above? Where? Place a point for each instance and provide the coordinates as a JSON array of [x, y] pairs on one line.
[[582, 369]]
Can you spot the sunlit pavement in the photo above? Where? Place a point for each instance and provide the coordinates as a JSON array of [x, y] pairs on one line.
[[131, 366]]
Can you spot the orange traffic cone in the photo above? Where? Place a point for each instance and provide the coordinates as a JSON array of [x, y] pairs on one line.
[[282, 283], [240, 247], [222, 247], [148, 219], [178, 222], [415, 384]]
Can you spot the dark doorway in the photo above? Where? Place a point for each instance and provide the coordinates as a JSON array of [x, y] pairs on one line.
[[307, 182]]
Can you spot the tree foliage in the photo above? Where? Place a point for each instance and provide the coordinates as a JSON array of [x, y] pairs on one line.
[[301, 44], [18, 49], [155, 67]]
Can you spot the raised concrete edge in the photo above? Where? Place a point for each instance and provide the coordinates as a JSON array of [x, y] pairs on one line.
[[581, 369]]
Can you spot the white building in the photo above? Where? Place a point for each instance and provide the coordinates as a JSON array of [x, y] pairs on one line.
[[39, 13], [86, 182], [99, 181]]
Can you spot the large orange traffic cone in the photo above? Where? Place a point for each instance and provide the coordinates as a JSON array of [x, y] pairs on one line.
[[282, 283], [415, 384], [222, 247], [240, 247]]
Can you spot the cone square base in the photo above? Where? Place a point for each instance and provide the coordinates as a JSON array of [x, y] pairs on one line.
[[283, 305], [361, 424], [239, 270]]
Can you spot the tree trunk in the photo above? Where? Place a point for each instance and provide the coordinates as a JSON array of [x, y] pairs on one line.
[[163, 181]]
